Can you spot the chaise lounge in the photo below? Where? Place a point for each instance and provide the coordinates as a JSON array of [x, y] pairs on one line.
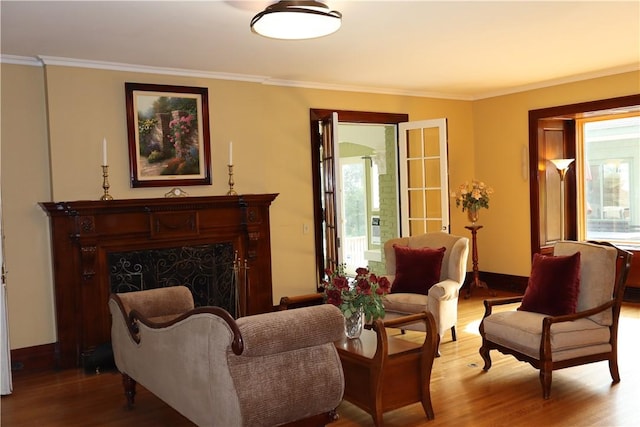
[[263, 370]]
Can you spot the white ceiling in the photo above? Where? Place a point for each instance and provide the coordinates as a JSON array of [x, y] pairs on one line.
[[450, 49]]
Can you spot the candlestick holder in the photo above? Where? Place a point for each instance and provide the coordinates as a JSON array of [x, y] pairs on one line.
[[105, 183], [231, 192]]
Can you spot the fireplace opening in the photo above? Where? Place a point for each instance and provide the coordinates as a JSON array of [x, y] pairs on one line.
[[208, 270]]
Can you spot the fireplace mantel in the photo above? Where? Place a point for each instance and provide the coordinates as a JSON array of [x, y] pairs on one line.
[[83, 233]]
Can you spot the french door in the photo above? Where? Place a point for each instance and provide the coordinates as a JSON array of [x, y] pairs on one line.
[[329, 153], [422, 184], [424, 177]]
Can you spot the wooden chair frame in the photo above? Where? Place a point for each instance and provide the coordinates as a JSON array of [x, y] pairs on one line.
[[545, 363]]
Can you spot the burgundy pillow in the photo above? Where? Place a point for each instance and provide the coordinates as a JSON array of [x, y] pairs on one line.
[[417, 269], [553, 286]]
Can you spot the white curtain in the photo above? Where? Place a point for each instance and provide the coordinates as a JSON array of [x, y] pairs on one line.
[[5, 358], [5, 354]]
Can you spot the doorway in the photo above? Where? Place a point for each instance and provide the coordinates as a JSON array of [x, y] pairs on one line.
[[366, 162], [326, 187], [376, 176]]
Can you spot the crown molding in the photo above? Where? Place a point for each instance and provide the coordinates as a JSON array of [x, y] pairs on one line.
[[266, 80], [117, 66], [564, 80], [43, 60], [364, 89], [20, 60]]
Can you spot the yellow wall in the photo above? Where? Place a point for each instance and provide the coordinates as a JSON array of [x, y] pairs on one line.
[[54, 119], [25, 182], [501, 131], [269, 127]]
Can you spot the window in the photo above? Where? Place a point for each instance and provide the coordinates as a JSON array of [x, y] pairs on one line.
[[609, 184], [596, 195]]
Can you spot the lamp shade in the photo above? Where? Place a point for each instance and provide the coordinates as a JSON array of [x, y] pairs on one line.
[[561, 164], [295, 20]]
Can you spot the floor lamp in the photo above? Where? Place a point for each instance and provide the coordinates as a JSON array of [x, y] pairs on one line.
[[562, 165]]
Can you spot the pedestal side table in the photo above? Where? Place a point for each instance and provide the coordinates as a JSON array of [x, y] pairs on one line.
[[475, 282]]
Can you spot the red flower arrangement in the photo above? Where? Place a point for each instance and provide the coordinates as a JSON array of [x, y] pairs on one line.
[[365, 292]]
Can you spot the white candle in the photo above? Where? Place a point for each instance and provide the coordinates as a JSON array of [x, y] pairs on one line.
[[230, 152], [104, 152]]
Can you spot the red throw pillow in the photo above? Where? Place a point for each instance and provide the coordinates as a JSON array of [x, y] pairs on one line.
[[417, 269], [553, 286]]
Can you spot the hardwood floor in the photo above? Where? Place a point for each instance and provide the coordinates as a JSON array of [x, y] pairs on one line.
[[509, 394]]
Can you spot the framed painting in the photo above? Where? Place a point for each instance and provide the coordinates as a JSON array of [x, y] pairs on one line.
[[168, 132]]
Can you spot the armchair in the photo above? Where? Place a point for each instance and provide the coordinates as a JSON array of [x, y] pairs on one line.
[[441, 299], [262, 370], [549, 339]]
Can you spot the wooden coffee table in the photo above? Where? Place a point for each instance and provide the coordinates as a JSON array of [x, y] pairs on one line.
[[384, 372]]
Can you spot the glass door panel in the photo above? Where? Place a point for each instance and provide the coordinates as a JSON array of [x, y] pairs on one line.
[[431, 142], [417, 227], [433, 174], [424, 183]]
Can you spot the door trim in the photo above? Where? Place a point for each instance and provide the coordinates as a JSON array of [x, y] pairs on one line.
[[316, 116]]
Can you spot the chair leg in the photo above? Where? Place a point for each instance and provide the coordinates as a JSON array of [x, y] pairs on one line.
[[613, 368], [453, 333], [129, 389], [484, 353], [545, 380]]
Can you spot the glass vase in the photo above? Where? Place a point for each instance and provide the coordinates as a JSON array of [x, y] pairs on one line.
[[473, 215], [353, 324]]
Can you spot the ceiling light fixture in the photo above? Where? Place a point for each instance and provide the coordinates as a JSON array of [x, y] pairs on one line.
[[296, 20]]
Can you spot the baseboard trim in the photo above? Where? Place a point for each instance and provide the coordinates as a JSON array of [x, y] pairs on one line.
[[36, 358], [632, 294], [518, 284], [498, 281]]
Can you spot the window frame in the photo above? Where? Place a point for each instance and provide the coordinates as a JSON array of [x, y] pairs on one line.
[[581, 173], [539, 153]]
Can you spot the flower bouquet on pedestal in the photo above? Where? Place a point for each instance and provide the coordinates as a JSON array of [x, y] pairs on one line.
[[472, 196]]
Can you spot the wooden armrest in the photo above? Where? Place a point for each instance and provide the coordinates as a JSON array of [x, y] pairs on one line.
[[404, 320], [298, 301], [490, 303], [578, 315], [431, 339], [501, 301]]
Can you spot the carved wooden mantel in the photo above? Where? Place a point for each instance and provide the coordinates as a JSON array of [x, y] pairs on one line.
[[83, 233]]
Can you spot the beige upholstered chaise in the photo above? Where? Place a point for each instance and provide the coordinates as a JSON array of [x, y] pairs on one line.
[[442, 298], [264, 370]]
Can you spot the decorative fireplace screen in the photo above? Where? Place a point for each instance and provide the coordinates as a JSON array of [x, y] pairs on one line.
[[208, 270]]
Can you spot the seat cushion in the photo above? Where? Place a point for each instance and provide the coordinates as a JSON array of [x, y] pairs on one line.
[[417, 269], [405, 303], [553, 285], [522, 331]]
